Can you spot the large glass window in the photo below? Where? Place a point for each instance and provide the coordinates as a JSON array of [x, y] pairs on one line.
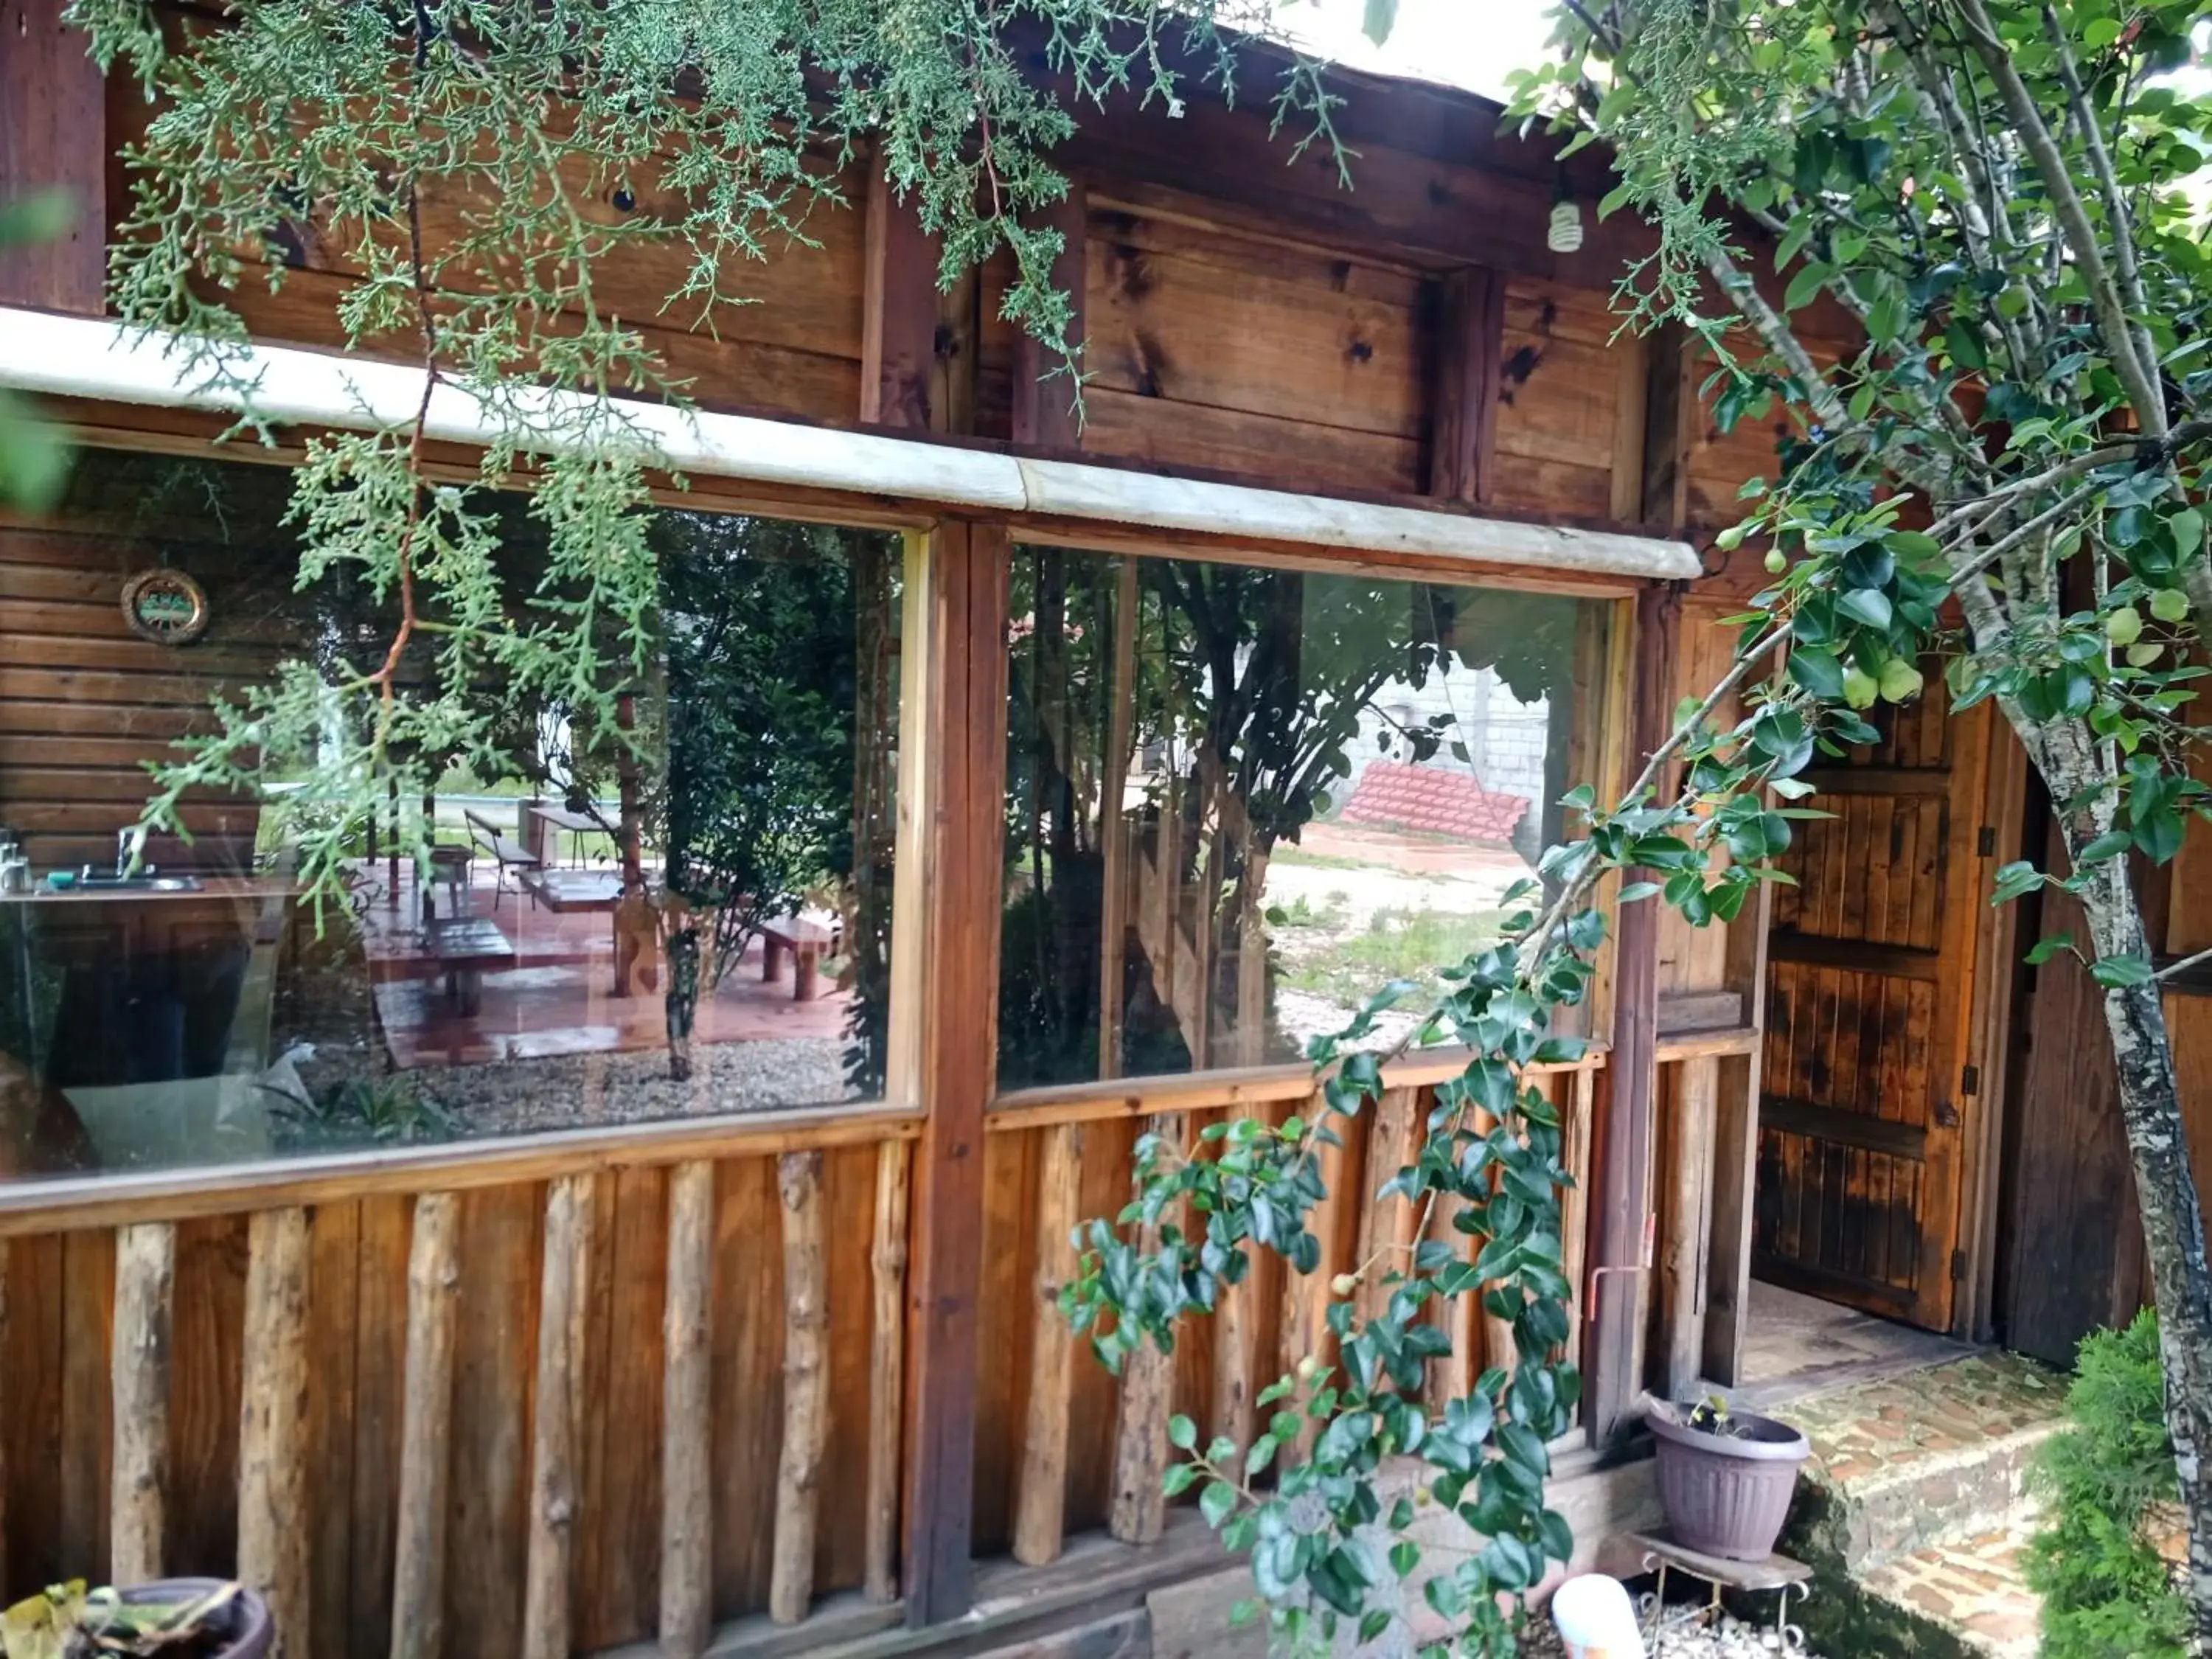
[[687, 915], [1240, 802]]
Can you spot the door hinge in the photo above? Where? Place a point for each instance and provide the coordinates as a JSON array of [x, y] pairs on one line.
[[1985, 844], [1958, 1266], [1947, 1115], [1969, 1080]]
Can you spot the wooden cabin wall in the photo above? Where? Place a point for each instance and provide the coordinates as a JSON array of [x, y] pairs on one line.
[[59, 1357], [85, 703]]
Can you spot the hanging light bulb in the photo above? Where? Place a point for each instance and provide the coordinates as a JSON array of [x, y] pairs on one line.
[[1565, 232]]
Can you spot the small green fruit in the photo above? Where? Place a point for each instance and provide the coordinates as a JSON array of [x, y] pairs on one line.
[[1308, 1369], [1900, 681], [1343, 1284], [1776, 562], [2123, 626], [2170, 605], [2143, 654], [1860, 689], [1731, 538]]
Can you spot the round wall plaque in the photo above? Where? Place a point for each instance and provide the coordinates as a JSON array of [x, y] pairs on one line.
[[165, 606]]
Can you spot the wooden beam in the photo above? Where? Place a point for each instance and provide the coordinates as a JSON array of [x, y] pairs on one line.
[[1689, 1174], [1632, 362], [272, 1424], [1139, 1510], [145, 1277], [555, 1466], [1306, 1295], [53, 134], [1463, 396], [1621, 1196], [899, 313], [1113, 913], [1669, 429], [1044, 414], [687, 1511], [806, 1386], [886, 1370], [1041, 1497], [1385, 1223], [426, 1431], [958, 632]]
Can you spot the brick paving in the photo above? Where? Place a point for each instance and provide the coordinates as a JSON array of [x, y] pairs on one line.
[[1917, 1496]]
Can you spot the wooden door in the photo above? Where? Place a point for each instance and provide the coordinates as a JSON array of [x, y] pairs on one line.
[[1866, 1071]]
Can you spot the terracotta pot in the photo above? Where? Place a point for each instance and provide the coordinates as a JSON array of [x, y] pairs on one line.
[[1728, 1494], [247, 1629]]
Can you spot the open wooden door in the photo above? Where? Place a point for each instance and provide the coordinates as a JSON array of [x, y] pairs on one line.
[[1870, 970]]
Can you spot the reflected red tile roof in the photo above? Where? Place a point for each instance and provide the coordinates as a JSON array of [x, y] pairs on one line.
[[1432, 800]]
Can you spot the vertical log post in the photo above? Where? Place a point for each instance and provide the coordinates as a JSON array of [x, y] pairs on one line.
[[687, 1564], [886, 1371], [1622, 1189], [1385, 1222], [1040, 1500], [272, 1424], [1234, 1336], [1306, 1295], [956, 642], [145, 1277], [555, 1486], [418, 1578], [1689, 1166], [1139, 1512], [806, 1386]]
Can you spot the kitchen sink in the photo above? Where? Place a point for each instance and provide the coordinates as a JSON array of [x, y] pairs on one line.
[[137, 883]]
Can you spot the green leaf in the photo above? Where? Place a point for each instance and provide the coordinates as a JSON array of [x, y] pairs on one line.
[[2121, 973], [2106, 846], [1810, 279], [2046, 948], [1216, 1501], [1817, 673], [1867, 605], [2016, 880], [1182, 1433]]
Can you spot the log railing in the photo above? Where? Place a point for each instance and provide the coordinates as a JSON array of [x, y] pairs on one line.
[[516, 1416]]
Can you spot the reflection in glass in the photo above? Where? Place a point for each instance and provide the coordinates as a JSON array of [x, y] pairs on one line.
[[689, 912], [1241, 802]]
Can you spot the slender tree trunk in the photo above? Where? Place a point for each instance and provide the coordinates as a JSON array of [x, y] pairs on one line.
[[2165, 1184]]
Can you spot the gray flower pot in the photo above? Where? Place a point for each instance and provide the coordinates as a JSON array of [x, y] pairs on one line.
[[1726, 1494], [243, 1631]]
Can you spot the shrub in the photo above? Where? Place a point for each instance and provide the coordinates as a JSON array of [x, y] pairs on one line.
[[2106, 1593]]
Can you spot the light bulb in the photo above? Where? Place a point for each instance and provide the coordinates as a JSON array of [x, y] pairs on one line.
[[1566, 234]]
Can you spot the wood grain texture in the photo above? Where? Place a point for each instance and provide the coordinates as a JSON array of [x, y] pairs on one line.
[[1044, 416], [273, 1519], [887, 1266], [687, 1496], [1040, 1496], [1686, 1222], [53, 134], [418, 1588], [145, 1282], [899, 312], [1140, 1429], [555, 1478], [963, 612], [806, 1386]]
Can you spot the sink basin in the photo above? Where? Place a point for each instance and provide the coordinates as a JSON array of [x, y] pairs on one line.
[[139, 884]]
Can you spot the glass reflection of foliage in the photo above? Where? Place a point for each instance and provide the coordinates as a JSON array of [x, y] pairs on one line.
[[779, 664], [1245, 690]]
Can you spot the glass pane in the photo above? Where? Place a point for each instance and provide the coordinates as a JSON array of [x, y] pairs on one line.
[[1242, 801], [687, 914]]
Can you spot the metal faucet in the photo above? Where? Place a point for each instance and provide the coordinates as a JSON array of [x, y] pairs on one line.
[[127, 845]]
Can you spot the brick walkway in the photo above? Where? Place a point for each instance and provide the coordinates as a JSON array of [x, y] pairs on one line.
[[1914, 1514]]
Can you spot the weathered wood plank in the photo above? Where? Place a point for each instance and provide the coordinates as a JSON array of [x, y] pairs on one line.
[[898, 315], [805, 1385], [53, 132], [1140, 1430], [1689, 1166], [555, 1490], [1041, 1497], [1043, 409], [887, 1259], [1235, 1334], [1463, 393], [687, 1513], [272, 1424], [418, 1588], [957, 632], [145, 1285]]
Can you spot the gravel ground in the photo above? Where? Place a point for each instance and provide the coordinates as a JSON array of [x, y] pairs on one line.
[[1683, 1635]]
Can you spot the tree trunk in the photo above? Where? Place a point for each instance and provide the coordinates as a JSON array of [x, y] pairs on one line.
[[2165, 1185]]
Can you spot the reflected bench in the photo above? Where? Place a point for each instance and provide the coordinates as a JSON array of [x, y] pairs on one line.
[[807, 942]]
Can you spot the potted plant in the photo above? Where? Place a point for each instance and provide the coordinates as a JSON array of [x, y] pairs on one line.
[[170, 1618], [1726, 1477]]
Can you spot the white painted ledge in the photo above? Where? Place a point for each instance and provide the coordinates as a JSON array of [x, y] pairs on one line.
[[82, 357]]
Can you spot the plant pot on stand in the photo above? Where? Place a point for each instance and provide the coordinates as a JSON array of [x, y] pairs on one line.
[[1726, 1478]]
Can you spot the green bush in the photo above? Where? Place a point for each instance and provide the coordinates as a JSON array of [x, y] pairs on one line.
[[2106, 1593]]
